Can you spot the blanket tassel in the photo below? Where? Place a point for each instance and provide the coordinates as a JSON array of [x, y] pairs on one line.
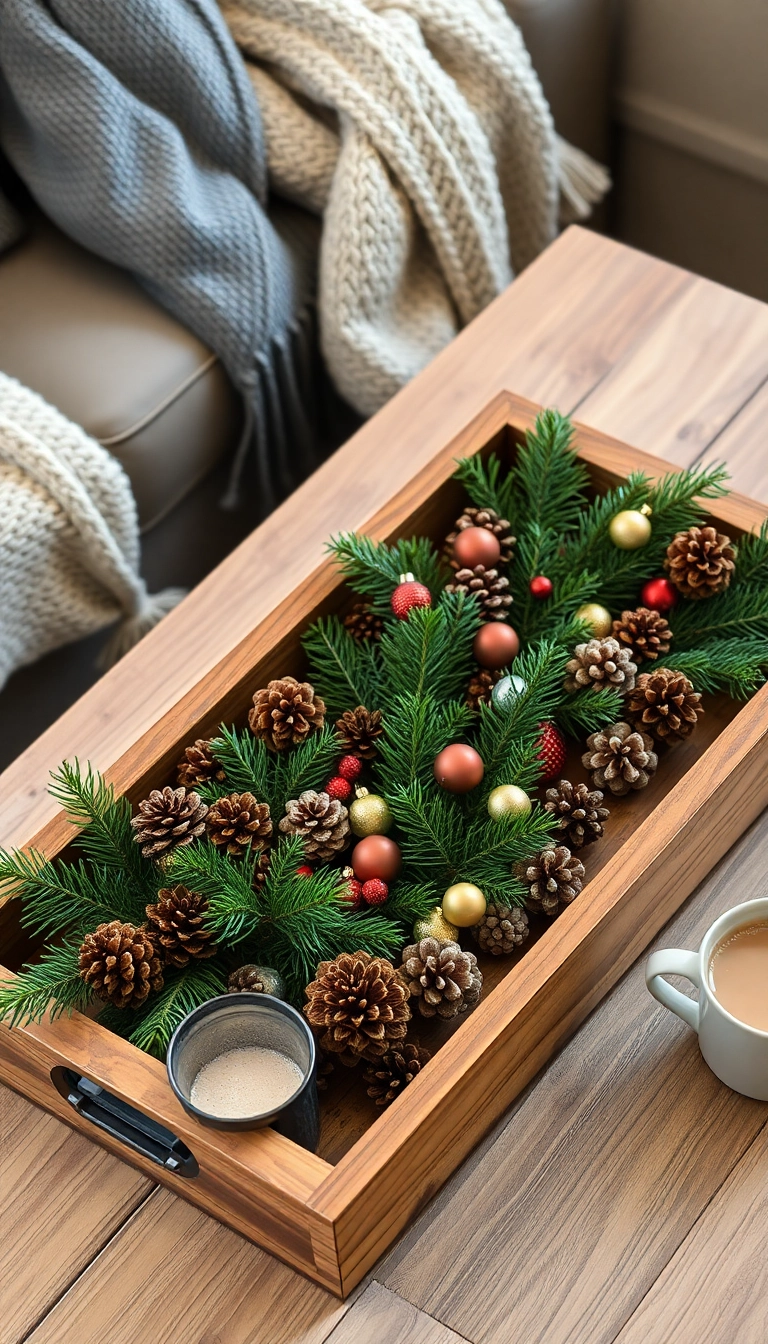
[[582, 180], [150, 610]]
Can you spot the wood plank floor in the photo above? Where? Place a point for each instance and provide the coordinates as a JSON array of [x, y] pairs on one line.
[[624, 1196]]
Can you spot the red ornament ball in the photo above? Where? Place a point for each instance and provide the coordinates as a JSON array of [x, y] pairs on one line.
[[552, 750], [540, 587], [375, 892], [476, 546], [339, 787], [376, 856], [407, 595], [458, 768], [305, 871], [496, 644], [350, 768], [354, 893], [659, 594]]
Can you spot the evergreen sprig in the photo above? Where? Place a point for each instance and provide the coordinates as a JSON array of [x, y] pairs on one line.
[[752, 566], [348, 671], [415, 730], [374, 569], [73, 897], [587, 710], [738, 666], [547, 484], [246, 762], [106, 837], [53, 982]]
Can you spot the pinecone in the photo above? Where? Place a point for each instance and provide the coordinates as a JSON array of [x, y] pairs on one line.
[[197, 765], [168, 819], [256, 980], [394, 1071], [359, 730], [700, 561], [363, 624], [260, 868], [502, 928], [555, 878], [442, 978], [620, 759], [579, 812], [665, 705], [644, 632], [600, 662], [177, 922], [480, 687], [286, 711], [489, 588], [238, 820], [472, 517], [321, 820], [360, 1005], [120, 963]]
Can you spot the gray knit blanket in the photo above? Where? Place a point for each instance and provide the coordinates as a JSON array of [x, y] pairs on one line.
[[136, 129]]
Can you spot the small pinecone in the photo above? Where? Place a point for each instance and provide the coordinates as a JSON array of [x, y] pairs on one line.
[[441, 977], [394, 1071], [620, 758], [363, 624], [168, 819], [177, 924], [322, 821], [238, 820], [489, 519], [502, 928], [256, 980], [359, 730], [286, 711], [480, 687], [665, 705], [600, 662], [489, 587], [644, 632], [579, 812], [700, 562], [260, 868], [555, 878], [359, 1004], [197, 765], [120, 963]]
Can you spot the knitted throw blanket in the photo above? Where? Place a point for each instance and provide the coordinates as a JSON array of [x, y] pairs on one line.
[[69, 537], [420, 130]]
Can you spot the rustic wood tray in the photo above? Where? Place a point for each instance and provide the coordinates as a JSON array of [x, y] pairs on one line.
[[332, 1214]]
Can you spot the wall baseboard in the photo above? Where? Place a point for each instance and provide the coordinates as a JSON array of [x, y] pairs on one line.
[[701, 136]]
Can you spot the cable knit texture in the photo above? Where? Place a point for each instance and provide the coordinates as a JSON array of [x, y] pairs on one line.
[[69, 537]]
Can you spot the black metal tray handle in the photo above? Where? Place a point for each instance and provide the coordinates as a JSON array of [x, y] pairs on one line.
[[125, 1123]]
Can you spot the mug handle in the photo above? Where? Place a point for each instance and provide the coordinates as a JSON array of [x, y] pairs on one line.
[[674, 961]]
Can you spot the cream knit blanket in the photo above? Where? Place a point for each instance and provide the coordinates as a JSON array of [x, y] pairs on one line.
[[421, 133], [69, 537]]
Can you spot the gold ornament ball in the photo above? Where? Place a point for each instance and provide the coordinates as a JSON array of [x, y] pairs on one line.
[[507, 800], [464, 904], [435, 925], [599, 618], [630, 529], [369, 814]]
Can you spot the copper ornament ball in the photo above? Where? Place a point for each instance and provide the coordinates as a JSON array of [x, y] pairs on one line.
[[496, 644], [477, 546], [458, 768], [376, 856], [598, 618], [464, 904]]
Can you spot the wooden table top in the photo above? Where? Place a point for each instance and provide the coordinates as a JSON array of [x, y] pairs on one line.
[[624, 1197]]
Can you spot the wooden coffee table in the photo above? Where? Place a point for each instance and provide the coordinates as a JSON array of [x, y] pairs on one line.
[[625, 1196]]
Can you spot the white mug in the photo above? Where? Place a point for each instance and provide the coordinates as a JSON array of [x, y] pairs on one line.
[[734, 1051]]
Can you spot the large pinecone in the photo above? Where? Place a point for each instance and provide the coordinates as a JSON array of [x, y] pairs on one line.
[[488, 518], [579, 812], [555, 878], [502, 928], [363, 624], [665, 705], [321, 820], [481, 686], [644, 632], [177, 923], [394, 1071], [359, 1004], [488, 587], [700, 561], [168, 819], [120, 963], [600, 662], [197, 765], [285, 712], [442, 978], [238, 820], [359, 730], [620, 758]]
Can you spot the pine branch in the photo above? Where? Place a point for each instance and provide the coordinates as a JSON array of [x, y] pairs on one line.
[[374, 569], [151, 1027], [508, 732], [235, 908], [484, 483], [431, 652], [247, 763], [410, 901], [546, 487], [741, 612], [107, 838], [752, 558], [75, 896], [52, 983], [737, 666], [308, 765], [345, 672], [431, 833], [583, 712], [493, 848], [415, 730]]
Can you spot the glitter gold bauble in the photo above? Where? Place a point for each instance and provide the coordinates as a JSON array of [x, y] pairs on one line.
[[598, 618], [631, 529], [369, 814], [464, 904], [508, 800], [435, 925]]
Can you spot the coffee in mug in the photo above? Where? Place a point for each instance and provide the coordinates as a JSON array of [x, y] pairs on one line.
[[738, 974]]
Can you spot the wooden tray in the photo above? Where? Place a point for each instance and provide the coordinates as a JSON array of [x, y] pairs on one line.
[[331, 1215]]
